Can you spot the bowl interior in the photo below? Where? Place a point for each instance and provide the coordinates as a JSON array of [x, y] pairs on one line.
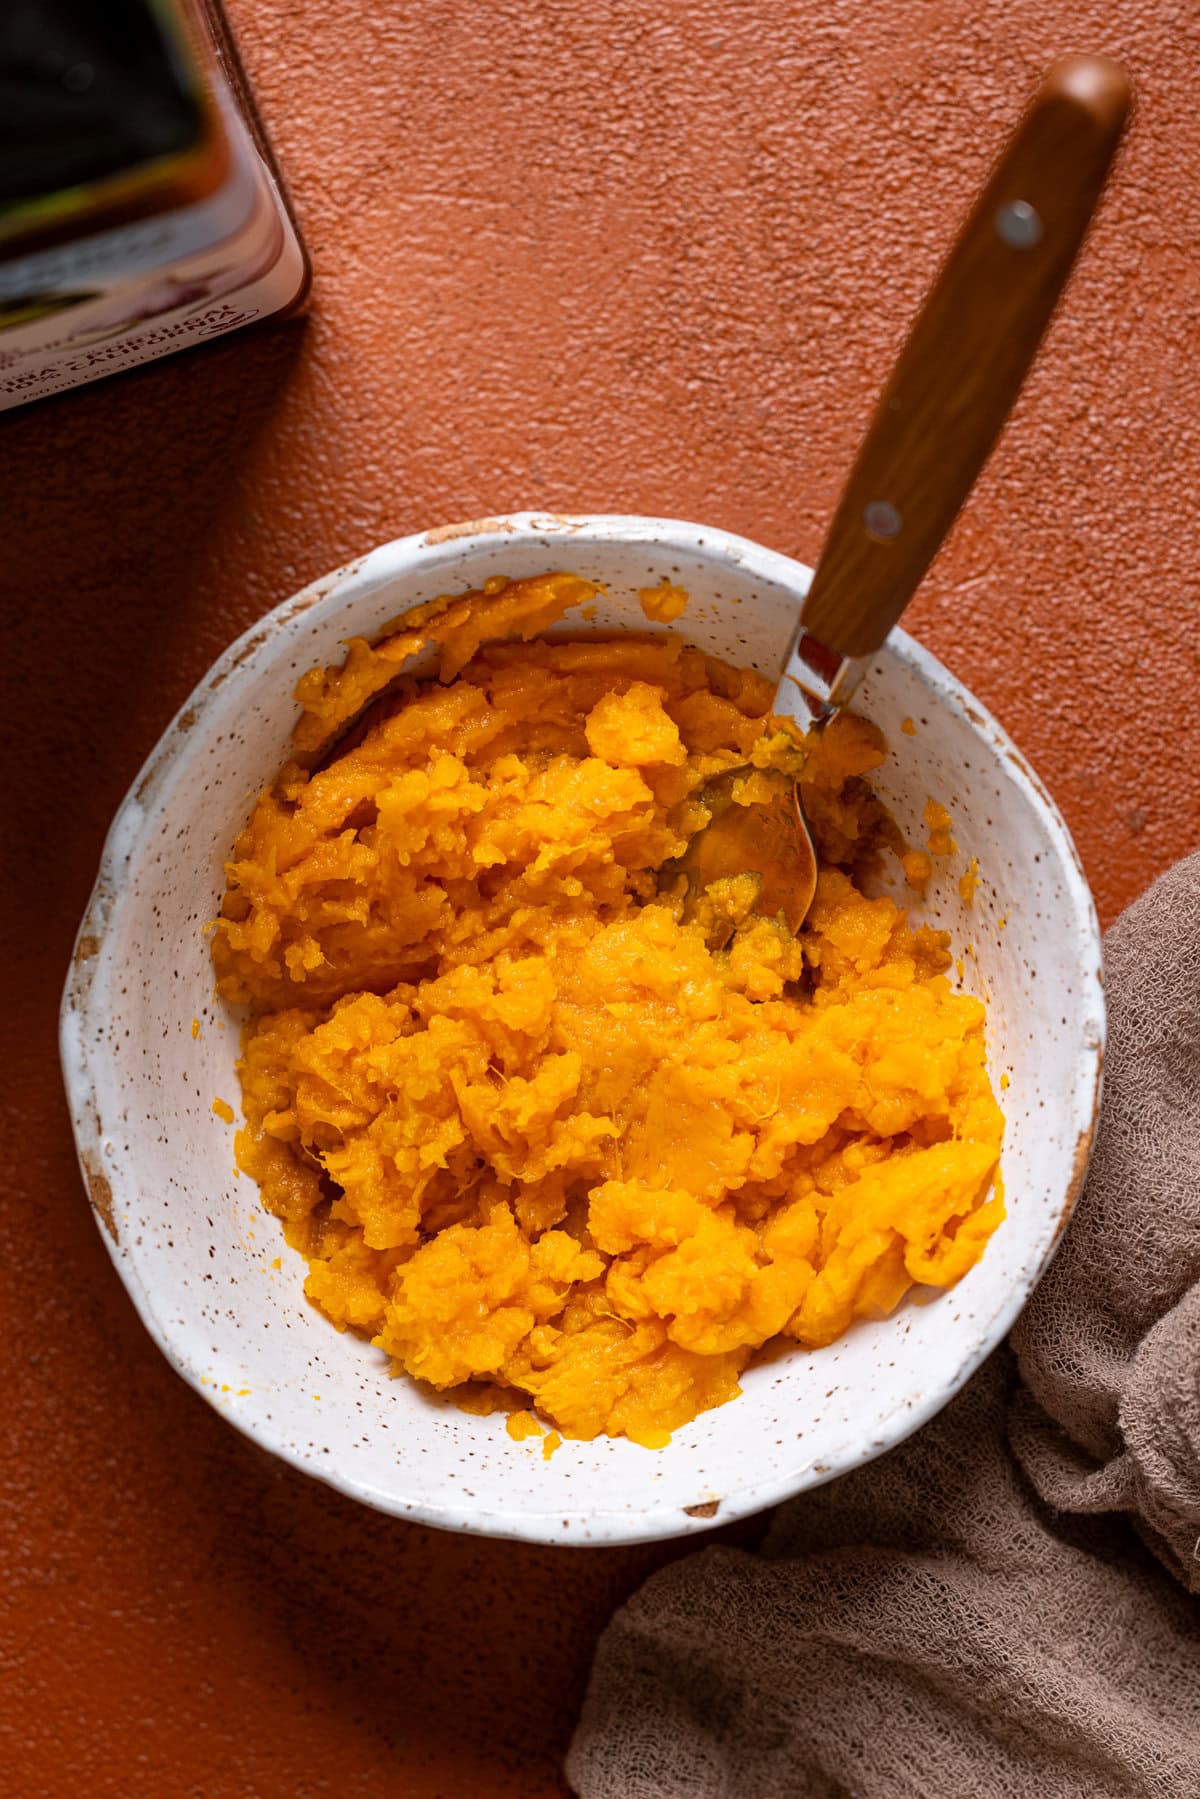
[[210, 1271]]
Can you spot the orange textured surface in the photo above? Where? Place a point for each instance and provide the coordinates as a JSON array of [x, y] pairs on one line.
[[613, 257]]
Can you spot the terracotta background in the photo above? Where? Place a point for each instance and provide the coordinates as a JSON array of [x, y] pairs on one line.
[[618, 256]]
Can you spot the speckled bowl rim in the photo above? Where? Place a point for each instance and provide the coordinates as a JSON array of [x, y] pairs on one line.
[[373, 570]]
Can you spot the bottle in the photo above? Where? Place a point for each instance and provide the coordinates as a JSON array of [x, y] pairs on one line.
[[140, 207]]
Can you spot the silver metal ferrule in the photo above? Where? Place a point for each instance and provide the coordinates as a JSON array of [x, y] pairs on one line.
[[816, 681]]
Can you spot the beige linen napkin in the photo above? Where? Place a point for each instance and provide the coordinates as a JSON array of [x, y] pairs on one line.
[[944, 1621]]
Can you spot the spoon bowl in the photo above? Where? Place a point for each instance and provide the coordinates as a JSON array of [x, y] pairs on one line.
[[766, 838]]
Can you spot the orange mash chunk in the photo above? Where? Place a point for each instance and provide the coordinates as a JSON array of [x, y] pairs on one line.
[[536, 1138], [522, 1425], [941, 843], [663, 604]]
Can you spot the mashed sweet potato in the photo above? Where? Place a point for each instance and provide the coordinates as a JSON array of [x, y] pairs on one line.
[[535, 1137]]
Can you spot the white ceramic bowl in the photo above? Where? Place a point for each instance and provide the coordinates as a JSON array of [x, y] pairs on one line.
[[198, 1255]]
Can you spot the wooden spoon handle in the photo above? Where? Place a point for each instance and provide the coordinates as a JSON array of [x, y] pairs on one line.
[[967, 355]]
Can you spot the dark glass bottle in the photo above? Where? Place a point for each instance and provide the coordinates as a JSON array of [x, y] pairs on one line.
[[140, 207]]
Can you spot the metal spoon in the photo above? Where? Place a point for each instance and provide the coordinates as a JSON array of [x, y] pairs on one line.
[[950, 392]]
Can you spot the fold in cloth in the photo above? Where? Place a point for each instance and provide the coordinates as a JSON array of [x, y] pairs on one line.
[[945, 1620]]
